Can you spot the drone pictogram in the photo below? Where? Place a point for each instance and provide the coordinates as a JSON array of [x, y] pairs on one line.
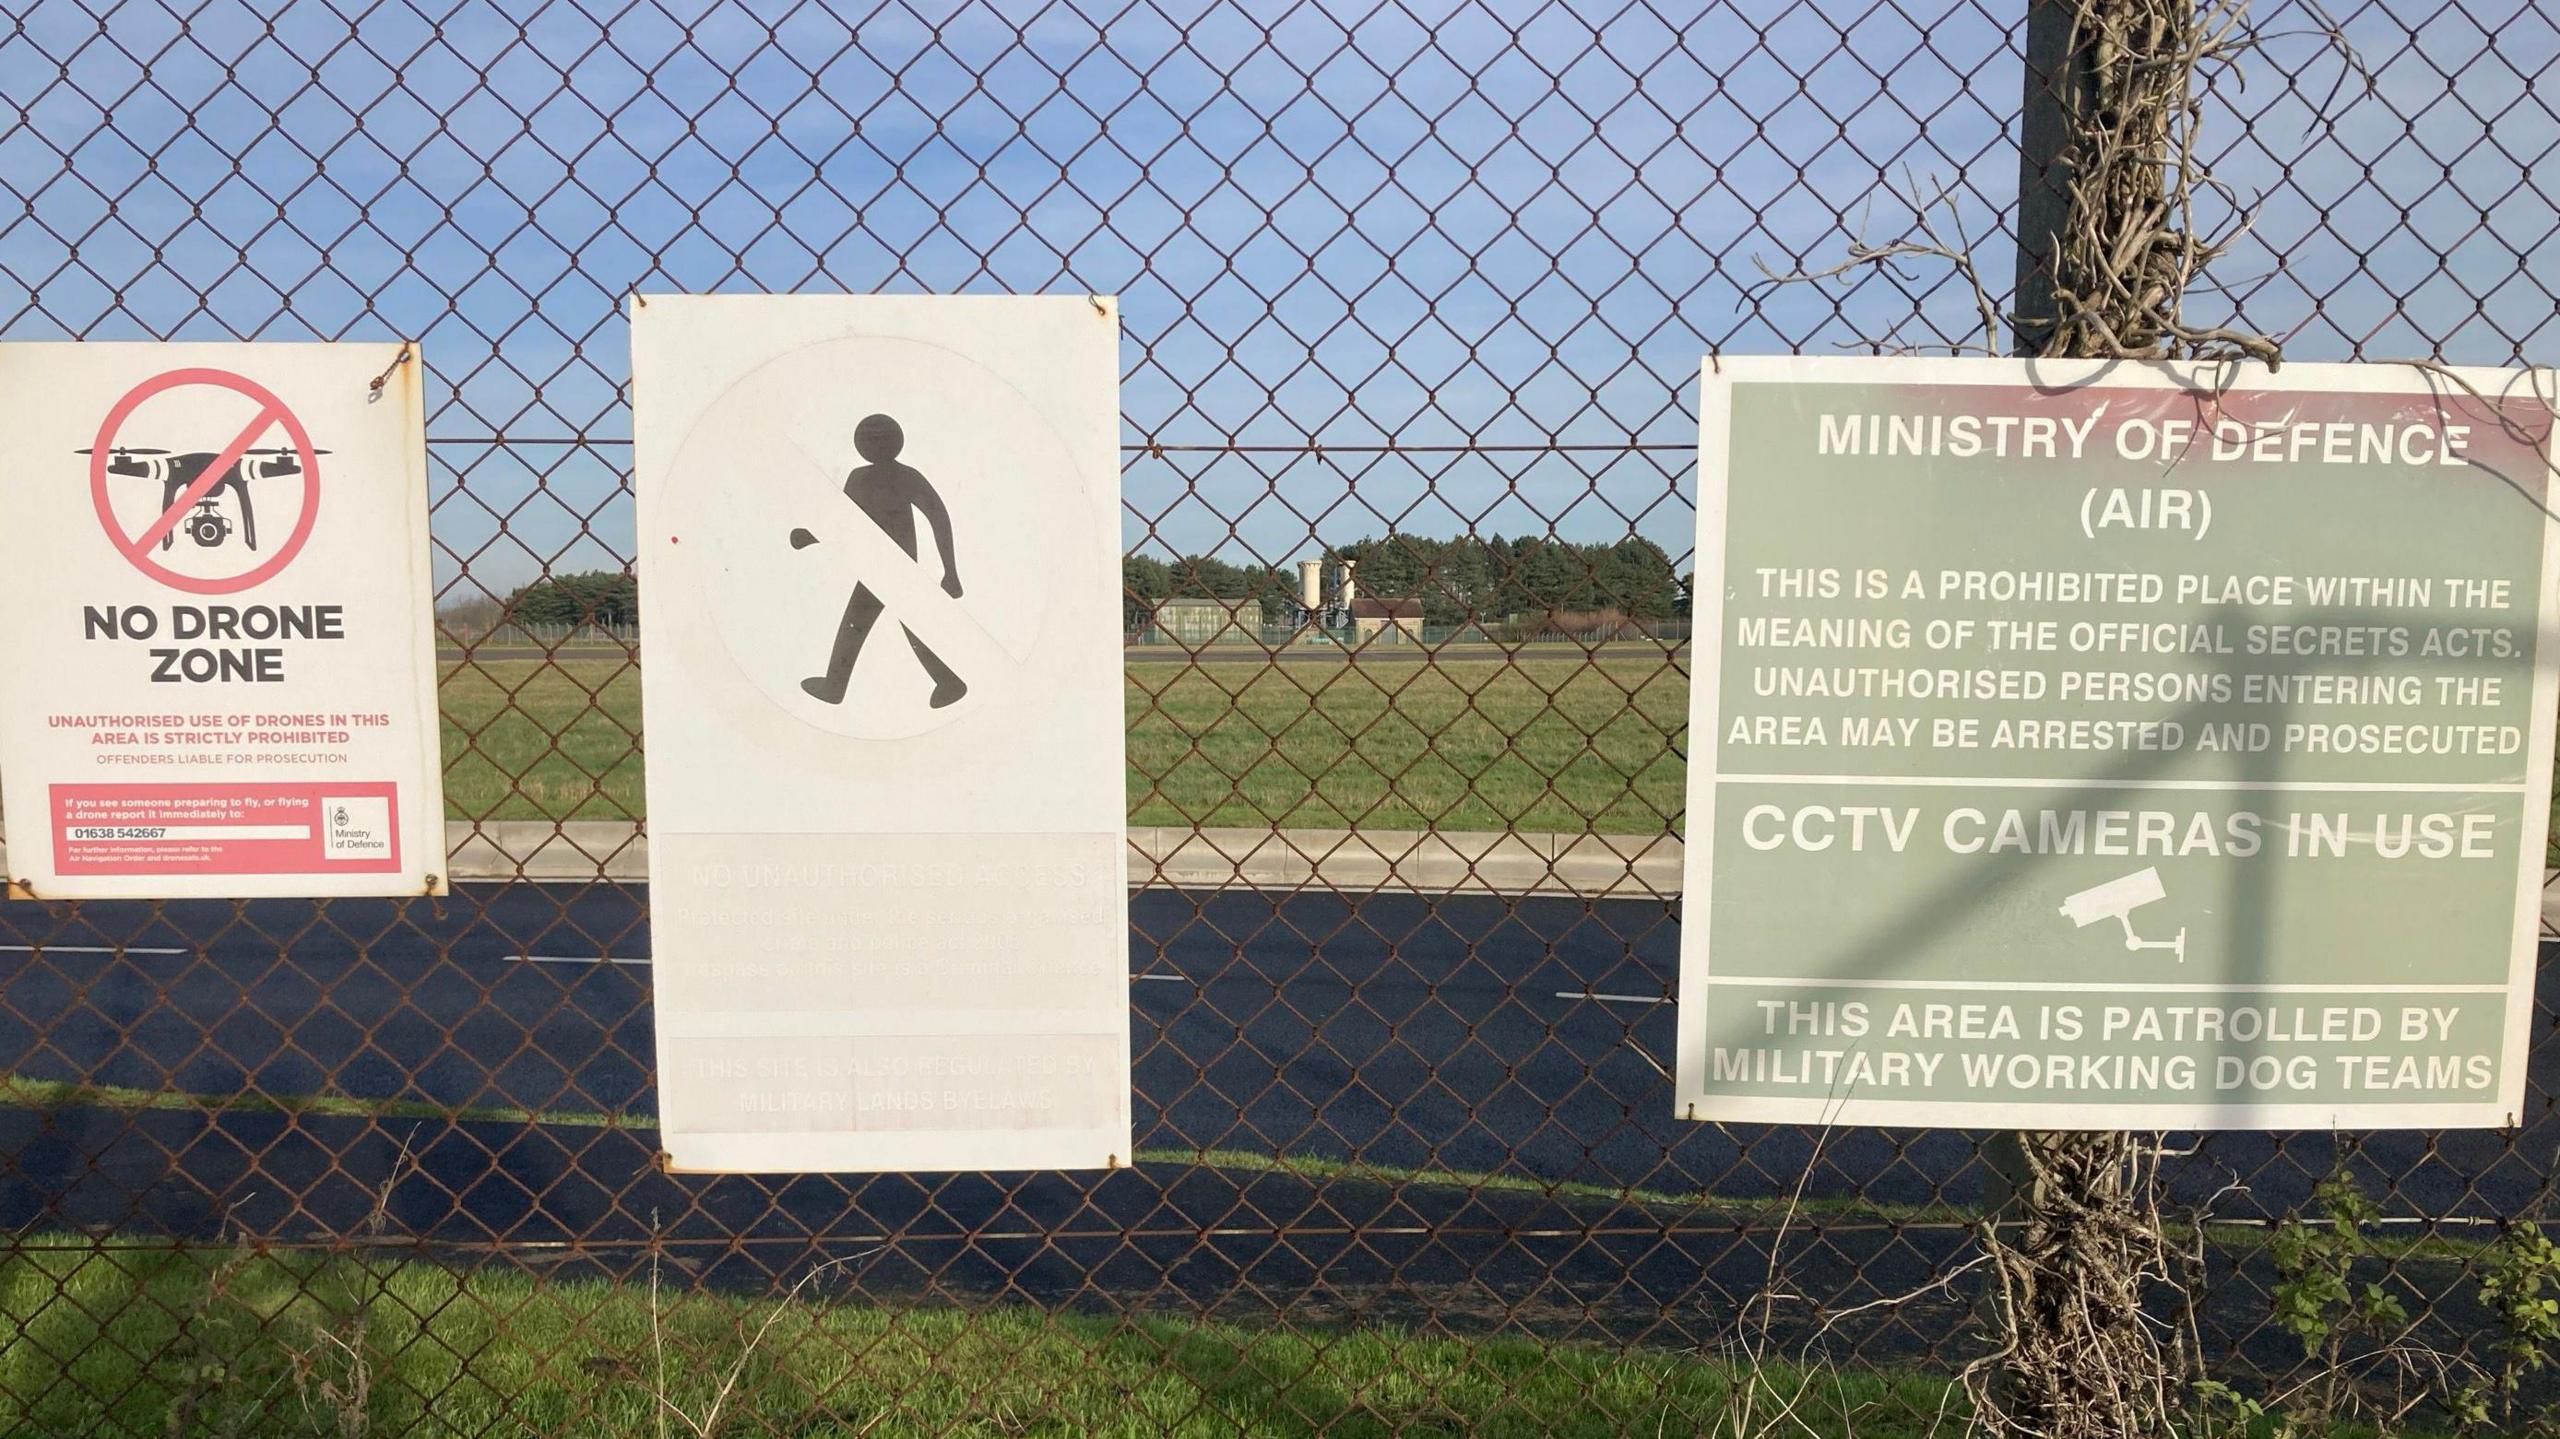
[[206, 525], [193, 480]]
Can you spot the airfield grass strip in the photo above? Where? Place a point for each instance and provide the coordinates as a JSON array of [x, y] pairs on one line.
[[129, 1336], [1539, 745]]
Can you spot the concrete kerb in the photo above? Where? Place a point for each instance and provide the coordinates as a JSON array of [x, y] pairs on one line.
[[1353, 861], [1426, 862], [539, 849]]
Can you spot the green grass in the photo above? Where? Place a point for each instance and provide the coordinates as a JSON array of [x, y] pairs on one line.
[[527, 739], [115, 1336], [149, 1337], [18, 1091], [1761, 1213], [138, 1338], [1542, 745]]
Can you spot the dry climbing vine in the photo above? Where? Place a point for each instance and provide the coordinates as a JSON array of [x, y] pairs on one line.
[[2128, 249], [2111, 246]]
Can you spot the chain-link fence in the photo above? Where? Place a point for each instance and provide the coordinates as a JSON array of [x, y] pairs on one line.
[[1425, 283]]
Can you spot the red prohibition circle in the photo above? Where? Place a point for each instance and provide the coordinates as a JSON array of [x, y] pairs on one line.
[[271, 411]]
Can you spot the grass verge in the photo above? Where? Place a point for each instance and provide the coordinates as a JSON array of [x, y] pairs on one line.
[[1828, 1212], [138, 1337], [18, 1091], [1742, 1212], [129, 1338], [22, 1092]]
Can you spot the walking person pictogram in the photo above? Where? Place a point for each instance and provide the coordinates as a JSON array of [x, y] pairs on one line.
[[892, 494]]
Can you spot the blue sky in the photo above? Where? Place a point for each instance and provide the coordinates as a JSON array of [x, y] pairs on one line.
[[1473, 250]]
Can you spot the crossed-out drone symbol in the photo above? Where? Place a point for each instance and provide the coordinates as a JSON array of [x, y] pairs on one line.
[[206, 525]]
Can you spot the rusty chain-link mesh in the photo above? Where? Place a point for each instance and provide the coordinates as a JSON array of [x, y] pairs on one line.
[[1401, 958]]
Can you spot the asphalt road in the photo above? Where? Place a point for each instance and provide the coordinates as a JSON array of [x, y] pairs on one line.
[[1519, 1037]]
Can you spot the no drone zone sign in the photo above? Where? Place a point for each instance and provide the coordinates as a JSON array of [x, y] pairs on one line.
[[215, 562]]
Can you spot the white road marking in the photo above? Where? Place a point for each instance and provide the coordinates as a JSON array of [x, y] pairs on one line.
[[575, 959], [90, 949], [1172, 978], [1613, 998]]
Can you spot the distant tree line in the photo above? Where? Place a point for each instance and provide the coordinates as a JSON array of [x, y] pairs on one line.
[[471, 614], [589, 597], [1151, 581], [1491, 578], [1462, 580]]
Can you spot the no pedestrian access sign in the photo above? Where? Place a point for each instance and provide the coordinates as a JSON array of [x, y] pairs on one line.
[[2089, 745], [888, 858], [222, 672]]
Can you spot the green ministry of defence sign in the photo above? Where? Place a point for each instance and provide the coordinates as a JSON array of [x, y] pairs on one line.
[[2098, 745]]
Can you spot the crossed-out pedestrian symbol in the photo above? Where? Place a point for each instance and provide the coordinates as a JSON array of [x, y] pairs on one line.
[[891, 495], [875, 529], [884, 564]]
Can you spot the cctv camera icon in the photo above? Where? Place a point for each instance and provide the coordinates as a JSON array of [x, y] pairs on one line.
[[2117, 899]]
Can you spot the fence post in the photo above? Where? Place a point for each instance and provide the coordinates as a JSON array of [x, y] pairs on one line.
[[2054, 75], [2069, 1218]]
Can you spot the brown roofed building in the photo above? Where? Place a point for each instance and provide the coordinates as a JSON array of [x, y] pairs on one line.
[[1388, 621]]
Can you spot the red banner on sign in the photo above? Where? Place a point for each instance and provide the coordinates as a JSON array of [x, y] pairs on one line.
[[323, 828]]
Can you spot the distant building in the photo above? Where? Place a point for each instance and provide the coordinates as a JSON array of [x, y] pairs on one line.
[[1197, 622], [1388, 621]]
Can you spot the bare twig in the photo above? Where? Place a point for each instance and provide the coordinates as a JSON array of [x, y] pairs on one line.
[[2078, 1353], [708, 1423], [657, 1328], [1742, 1419], [1896, 1301], [336, 1367], [1924, 240], [2542, 387]]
